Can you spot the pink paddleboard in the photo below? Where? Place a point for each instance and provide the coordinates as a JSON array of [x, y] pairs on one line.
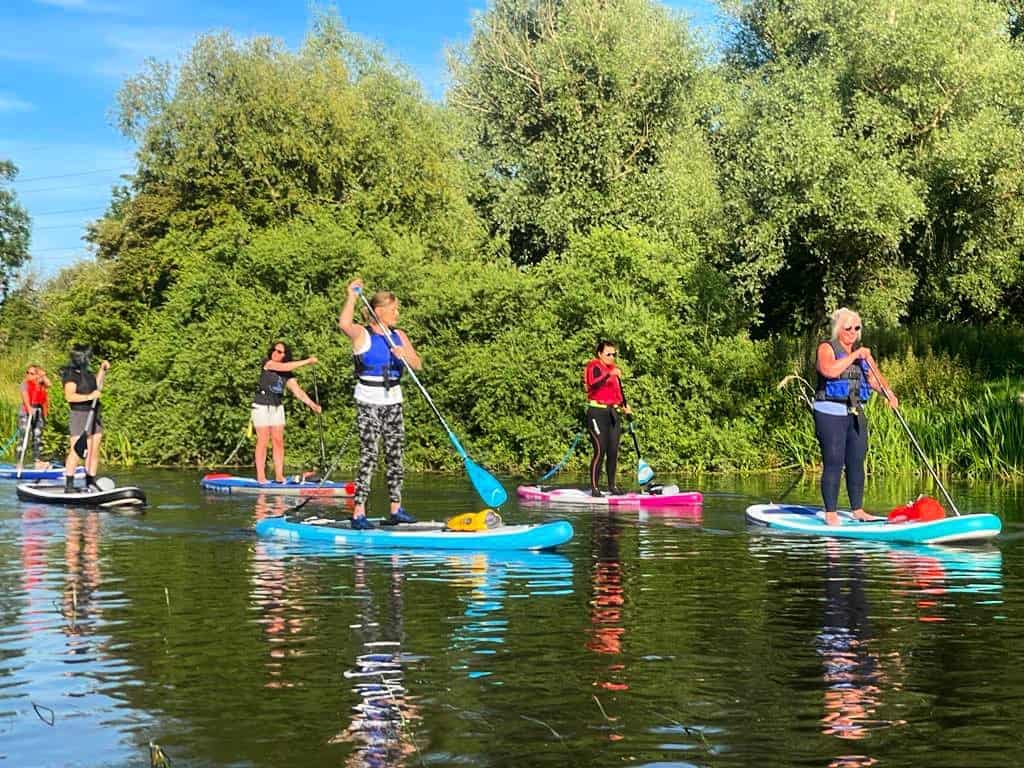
[[671, 496]]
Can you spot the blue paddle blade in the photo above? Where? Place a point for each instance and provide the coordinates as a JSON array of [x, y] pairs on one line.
[[487, 487], [644, 473]]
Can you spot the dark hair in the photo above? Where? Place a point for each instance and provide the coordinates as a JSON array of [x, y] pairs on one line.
[[287, 352], [602, 344], [81, 354]]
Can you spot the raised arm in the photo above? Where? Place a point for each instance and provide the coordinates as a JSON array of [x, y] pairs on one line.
[[270, 365], [346, 320]]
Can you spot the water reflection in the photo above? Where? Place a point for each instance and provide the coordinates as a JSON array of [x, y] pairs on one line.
[[82, 580], [856, 675], [608, 598], [382, 728]]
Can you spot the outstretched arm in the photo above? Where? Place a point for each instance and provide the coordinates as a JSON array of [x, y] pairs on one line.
[[346, 320]]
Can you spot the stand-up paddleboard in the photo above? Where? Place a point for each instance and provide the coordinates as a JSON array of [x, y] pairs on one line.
[[224, 483], [669, 496], [793, 518], [10, 472], [425, 535], [126, 496]]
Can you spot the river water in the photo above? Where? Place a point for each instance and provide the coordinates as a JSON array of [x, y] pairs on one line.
[[673, 639]]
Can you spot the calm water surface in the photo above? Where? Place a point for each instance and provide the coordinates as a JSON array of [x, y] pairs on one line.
[[671, 639]]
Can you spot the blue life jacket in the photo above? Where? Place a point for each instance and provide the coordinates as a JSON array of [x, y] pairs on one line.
[[377, 367], [851, 388]]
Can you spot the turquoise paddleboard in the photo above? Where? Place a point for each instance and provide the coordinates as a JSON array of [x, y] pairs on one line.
[[793, 518], [426, 535]]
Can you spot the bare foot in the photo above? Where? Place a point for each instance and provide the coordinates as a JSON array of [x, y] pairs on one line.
[[831, 518], [862, 516]]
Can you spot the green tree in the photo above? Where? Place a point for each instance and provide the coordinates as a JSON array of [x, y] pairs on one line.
[[923, 100], [14, 229], [580, 114]]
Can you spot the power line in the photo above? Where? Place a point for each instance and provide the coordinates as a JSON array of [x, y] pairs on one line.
[[68, 186], [81, 225], [72, 210], [69, 175]]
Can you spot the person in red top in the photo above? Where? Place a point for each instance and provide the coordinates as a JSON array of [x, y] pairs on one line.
[[605, 406], [35, 407]]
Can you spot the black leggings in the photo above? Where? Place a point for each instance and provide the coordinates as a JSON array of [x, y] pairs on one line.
[[844, 443], [604, 425]]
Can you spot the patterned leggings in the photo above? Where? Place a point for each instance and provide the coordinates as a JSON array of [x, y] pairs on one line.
[[373, 422]]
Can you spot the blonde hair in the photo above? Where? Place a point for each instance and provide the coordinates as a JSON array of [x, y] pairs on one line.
[[378, 300], [837, 321]]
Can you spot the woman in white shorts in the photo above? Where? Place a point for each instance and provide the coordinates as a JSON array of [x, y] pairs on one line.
[[267, 409]]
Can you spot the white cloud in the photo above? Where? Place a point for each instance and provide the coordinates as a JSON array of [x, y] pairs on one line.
[[14, 104]]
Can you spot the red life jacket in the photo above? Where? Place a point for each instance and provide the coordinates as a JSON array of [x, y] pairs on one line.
[[925, 508], [38, 395], [601, 387]]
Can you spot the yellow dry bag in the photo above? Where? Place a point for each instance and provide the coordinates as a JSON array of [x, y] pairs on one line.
[[474, 521]]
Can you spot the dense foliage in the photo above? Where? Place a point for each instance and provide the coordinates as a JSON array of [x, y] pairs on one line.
[[592, 174], [14, 229]]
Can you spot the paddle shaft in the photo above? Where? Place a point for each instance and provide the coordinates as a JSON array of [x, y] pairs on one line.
[[913, 440], [24, 440], [319, 423], [629, 422]]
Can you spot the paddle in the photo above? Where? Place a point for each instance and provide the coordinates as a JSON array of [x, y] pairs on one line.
[[565, 459], [81, 445], [644, 473], [920, 452], [319, 423], [24, 440], [486, 485]]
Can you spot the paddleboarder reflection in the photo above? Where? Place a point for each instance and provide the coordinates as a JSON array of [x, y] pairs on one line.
[[382, 727], [854, 673], [608, 599], [83, 575]]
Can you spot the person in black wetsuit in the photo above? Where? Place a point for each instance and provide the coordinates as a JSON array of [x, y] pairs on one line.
[[605, 406], [267, 409], [81, 389]]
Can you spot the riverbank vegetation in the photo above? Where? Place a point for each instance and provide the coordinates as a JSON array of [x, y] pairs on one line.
[[593, 171]]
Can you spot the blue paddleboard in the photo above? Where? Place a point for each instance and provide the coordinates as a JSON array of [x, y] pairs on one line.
[[793, 518], [426, 535]]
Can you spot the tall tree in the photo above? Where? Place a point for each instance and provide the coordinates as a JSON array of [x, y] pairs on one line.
[[582, 114], [14, 229]]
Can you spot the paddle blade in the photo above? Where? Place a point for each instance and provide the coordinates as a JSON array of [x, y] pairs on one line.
[[644, 473], [486, 485], [81, 445]]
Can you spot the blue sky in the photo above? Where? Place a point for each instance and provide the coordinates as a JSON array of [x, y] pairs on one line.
[[62, 61]]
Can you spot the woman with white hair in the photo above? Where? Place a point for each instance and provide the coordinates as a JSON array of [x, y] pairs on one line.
[[847, 374]]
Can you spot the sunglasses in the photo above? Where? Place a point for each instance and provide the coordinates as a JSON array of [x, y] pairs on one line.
[[609, 354], [852, 328], [279, 351]]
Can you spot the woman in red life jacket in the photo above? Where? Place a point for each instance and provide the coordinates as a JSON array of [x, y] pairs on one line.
[[35, 406], [605, 407]]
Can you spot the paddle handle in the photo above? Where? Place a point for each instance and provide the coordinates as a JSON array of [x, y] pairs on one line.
[[913, 440], [629, 422]]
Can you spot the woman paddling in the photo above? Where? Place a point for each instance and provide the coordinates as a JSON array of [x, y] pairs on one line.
[[605, 406], [82, 391], [847, 374], [378, 397], [267, 409], [35, 409]]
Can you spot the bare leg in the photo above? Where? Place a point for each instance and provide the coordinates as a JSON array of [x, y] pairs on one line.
[[92, 456], [277, 446], [262, 439]]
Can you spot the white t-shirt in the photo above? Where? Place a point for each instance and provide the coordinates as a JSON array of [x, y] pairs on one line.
[[374, 395]]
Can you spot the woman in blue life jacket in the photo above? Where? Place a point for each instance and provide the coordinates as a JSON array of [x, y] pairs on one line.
[[847, 374], [267, 408], [378, 395]]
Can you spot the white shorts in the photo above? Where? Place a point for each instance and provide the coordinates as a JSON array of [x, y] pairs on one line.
[[267, 415]]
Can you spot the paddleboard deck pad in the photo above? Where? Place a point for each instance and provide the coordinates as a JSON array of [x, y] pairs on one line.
[[670, 496], [420, 535], [126, 496], [224, 483], [10, 472], [793, 518]]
